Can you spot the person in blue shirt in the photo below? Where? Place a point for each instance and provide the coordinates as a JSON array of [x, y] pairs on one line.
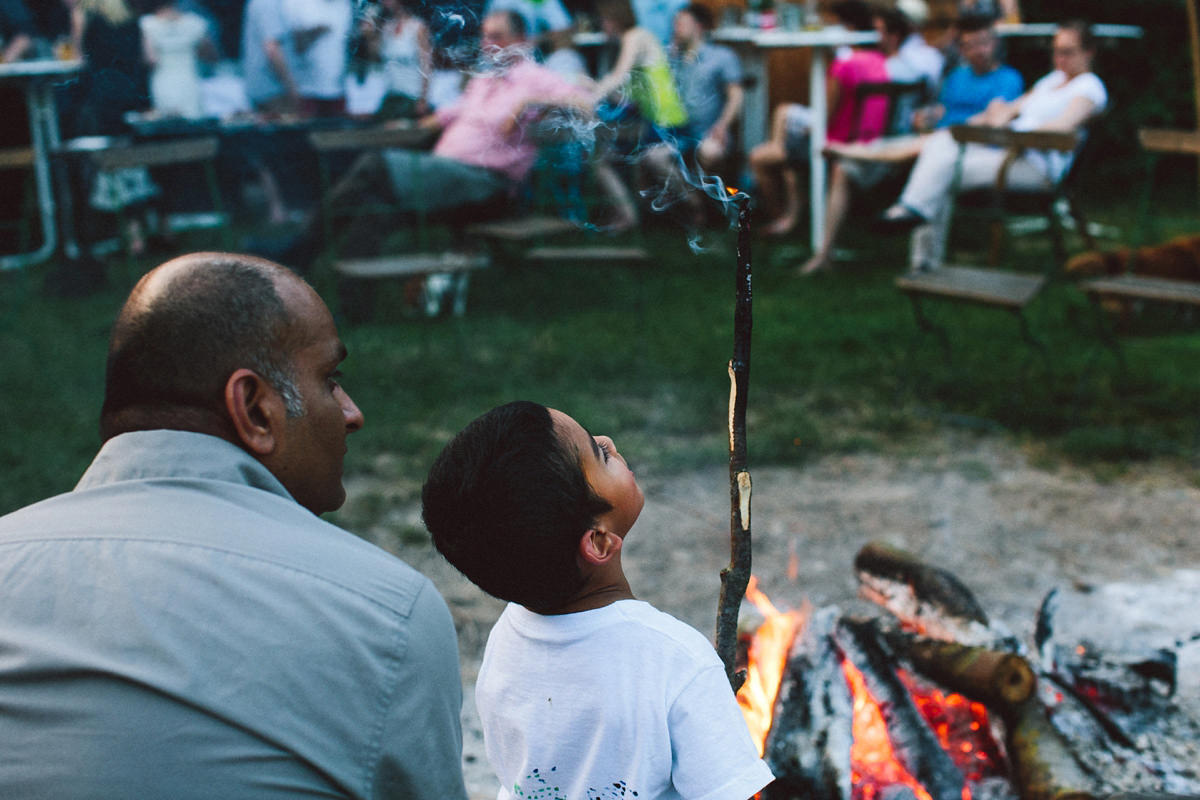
[[975, 82], [966, 91]]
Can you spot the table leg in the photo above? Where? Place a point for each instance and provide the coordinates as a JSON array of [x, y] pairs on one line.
[[816, 94], [43, 131], [754, 108]]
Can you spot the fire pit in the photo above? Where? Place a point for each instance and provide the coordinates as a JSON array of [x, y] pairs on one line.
[[935, 701]]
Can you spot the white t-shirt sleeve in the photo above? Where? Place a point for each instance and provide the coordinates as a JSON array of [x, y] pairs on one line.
[[712, 754]]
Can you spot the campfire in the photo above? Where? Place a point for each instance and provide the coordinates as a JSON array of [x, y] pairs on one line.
[[934, 701]]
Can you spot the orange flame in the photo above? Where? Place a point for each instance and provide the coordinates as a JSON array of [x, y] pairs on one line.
[[873, 763], [767, 660]]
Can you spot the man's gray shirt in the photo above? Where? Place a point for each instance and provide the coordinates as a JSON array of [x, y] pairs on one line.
[[178, 627], [704, 79]]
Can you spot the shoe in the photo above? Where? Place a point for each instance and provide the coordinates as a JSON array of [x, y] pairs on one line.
[[899, 219]]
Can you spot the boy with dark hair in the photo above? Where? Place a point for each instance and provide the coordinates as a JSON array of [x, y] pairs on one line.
[[583, 688]]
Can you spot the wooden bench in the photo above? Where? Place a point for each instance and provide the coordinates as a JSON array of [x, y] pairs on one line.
[[1135, 287], [537, 228], [1130, 286], [587, 252], [995, 288], [108, 155], [522, 229], [445, 275]]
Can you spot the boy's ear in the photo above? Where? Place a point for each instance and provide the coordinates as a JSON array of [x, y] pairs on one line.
[[598, 546], [255, 410]]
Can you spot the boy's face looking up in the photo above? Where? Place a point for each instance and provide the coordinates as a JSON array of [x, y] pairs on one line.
[[606, 472]]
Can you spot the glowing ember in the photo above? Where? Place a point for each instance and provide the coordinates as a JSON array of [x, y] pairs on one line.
[[767, 660], [961, 726], [872, 761]]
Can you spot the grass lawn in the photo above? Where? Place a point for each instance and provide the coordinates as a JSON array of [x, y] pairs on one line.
[[640, 353]]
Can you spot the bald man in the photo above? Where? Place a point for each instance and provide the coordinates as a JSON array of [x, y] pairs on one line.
[[183, 624]]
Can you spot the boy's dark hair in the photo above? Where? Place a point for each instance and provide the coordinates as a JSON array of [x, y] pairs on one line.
[[507, 502], [701, 13]]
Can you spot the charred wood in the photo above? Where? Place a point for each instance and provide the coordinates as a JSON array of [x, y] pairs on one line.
[[996, 679], [927, 598], [1043, 765], [915, 745], [1110, 727], [808, 747]]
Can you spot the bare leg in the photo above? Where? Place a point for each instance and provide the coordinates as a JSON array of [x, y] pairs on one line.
[[777, 180], [625, 211], [786, 222], [836, 210]]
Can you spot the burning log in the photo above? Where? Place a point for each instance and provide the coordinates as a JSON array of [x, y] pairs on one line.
[[1043, 766], [924, 597], [999, 680], [808, 746], [736, 576], [916, 747]]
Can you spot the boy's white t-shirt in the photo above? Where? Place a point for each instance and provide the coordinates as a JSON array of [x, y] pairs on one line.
[[615, 703]]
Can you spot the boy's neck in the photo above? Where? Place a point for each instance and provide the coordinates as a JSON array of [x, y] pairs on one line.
[[595, 595]]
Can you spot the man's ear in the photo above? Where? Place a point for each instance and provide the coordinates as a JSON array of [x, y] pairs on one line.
[[256, 411], [599, 546]]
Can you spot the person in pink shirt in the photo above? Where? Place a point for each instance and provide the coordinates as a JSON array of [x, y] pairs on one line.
[[775, 161], [483, 152]]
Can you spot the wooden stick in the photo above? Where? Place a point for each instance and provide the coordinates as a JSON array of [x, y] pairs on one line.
[[736, 576]]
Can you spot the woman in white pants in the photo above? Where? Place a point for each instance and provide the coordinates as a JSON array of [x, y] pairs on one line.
[[1061, 101]]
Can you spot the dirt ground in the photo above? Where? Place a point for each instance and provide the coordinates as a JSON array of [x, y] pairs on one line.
[[1010, 530]]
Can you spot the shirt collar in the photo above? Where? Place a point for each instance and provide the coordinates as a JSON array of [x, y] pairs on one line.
[[163, 454]]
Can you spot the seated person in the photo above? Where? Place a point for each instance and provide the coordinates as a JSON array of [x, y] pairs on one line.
[[966, 91], [641, 72], [709, 77], [581, 684], [910, 59], [775, 161], [547, 21], [482, 152], [1063, 100]]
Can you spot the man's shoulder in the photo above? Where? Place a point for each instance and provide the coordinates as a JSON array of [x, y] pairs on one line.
[[238, 532]]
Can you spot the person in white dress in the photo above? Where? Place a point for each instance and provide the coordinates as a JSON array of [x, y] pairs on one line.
[[174, 42]]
